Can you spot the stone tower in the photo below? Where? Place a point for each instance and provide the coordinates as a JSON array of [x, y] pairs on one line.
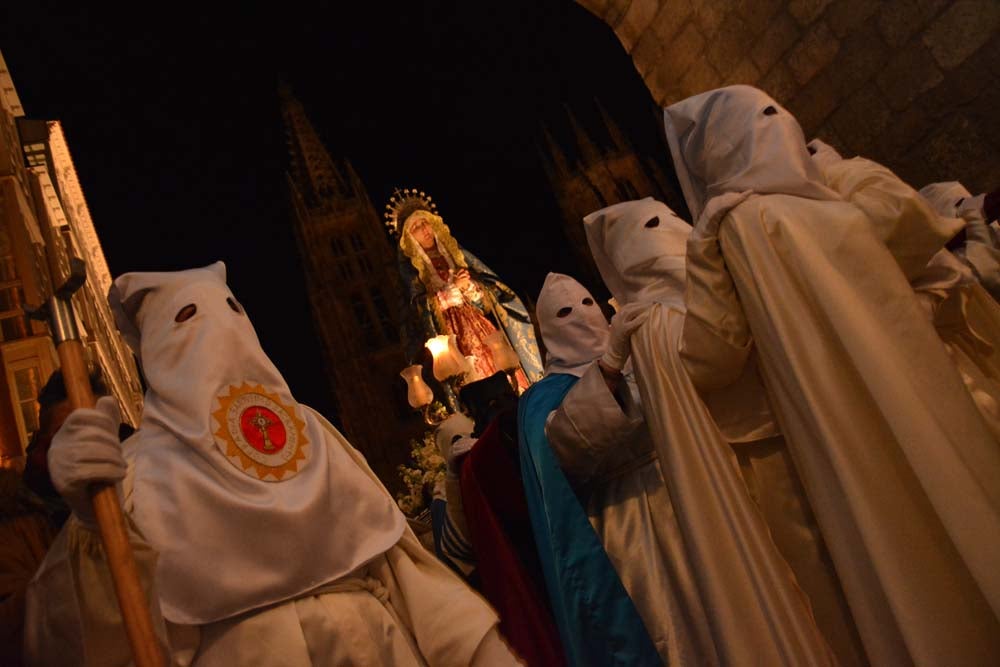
[[353, 283], [588, 175]]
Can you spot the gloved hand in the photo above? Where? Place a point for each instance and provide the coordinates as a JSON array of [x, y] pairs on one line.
[[84, 451], [629, 318]]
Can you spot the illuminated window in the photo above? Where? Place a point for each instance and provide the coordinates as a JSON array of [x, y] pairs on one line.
[[27, 385], [13, 321], [9, 299]]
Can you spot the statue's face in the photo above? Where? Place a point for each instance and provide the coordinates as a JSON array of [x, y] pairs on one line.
[[423, 233]]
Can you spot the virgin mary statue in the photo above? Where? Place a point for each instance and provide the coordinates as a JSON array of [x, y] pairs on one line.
[[451, 291]]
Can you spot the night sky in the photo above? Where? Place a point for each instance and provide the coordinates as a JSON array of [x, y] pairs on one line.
[[173, 120]]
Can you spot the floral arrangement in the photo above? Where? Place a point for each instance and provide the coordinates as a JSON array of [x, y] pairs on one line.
[[428, 470]]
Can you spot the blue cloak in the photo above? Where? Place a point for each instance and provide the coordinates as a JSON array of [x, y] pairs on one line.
[[598, 623]]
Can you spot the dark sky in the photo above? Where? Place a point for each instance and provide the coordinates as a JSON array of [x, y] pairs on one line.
[[173, 120]]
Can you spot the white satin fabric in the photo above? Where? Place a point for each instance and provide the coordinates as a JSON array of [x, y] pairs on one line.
[[402, 608], [945, 197], [900, 218], [229, 542], [902, 472], [577, 338], [823, 154], [756, 611], [763, 151], [968, 321], [981, 251], [639, 248], [947, 290], [606, 452]]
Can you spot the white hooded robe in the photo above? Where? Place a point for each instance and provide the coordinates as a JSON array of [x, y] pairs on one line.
[[280, 551], [902, 472], [603, 446], [757, 612]]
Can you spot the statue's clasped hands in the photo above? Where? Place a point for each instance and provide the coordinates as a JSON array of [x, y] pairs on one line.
[[463, 280]]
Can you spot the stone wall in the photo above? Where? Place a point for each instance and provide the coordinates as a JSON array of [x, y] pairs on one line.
[[913, 84]]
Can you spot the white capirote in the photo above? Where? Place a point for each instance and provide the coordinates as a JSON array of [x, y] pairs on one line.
[[572, 325], [901, 470], [223, 522]]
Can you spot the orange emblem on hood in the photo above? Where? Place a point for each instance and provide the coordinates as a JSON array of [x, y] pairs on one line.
[[259, 434]]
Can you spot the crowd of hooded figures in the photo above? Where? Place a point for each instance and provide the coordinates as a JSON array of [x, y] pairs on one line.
[[784, 449]]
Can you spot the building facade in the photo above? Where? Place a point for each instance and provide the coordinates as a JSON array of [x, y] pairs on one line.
[[588, 174], [41, 198], [354, 287]]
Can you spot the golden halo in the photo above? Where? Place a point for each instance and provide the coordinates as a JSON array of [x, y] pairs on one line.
[[261, 436], [402, 204]]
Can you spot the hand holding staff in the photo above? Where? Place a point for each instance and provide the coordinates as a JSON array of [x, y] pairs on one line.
[[107, 511]]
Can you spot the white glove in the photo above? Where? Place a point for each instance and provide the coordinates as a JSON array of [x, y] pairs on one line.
[[623, 324], [84, 451]]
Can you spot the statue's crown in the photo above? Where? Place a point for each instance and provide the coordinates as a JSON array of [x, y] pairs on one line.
[[404, 203]]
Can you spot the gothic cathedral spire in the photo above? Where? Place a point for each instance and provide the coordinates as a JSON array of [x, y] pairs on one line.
[[353, 283], [312, 169], [589, 152]]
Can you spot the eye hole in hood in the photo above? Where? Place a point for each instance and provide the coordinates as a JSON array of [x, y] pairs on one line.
[[186, 313]]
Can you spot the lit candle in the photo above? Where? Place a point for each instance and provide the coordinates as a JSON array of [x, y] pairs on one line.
[[448, 361], [418, 394]]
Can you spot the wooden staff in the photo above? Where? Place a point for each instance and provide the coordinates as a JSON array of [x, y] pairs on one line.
[[107, 510]]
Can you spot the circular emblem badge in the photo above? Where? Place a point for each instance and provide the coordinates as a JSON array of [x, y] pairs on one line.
[[259, 435]]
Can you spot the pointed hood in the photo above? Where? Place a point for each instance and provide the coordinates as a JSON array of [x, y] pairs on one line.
[[736, 139], [572, 325], [639, 247], [231, 476], [946, 197]]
